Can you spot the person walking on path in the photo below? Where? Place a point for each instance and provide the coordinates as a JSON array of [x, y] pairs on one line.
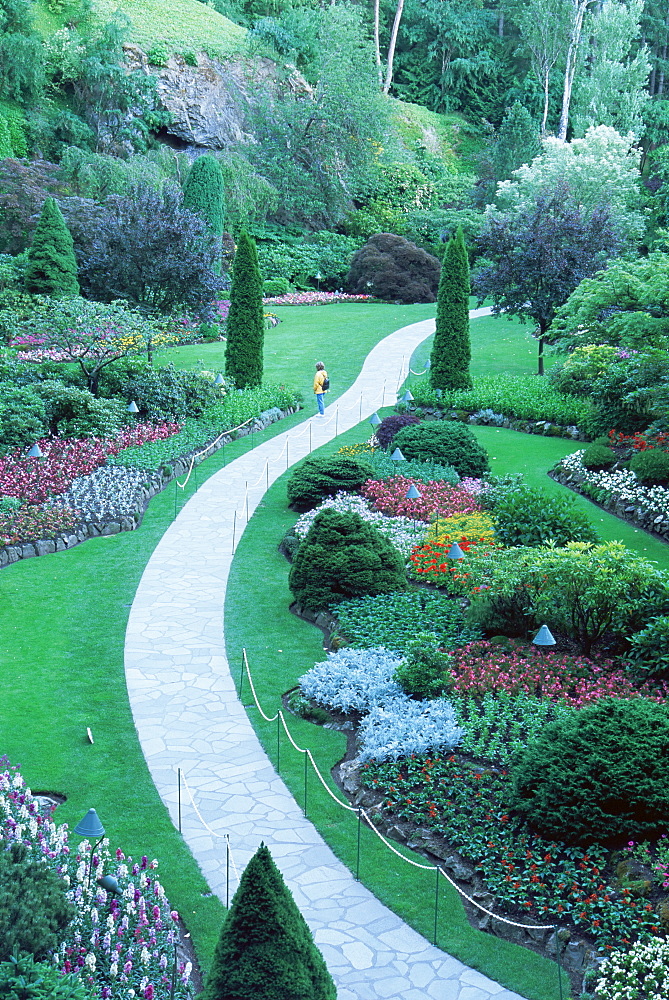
[[321, 386]]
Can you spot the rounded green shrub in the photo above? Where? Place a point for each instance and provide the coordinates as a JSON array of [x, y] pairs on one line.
[[528, 516], [343, 557], [275, 286], [423, 673], [444, 441], [318, 478], [598, 775], [649, 649], [651, 467], [22, 417], [76, 413], [597, 457]]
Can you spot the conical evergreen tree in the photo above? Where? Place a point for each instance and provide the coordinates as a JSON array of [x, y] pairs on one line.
[[451, 351], [266, 951], [204, 194], [52, 266], [245, 324], [517, 141]]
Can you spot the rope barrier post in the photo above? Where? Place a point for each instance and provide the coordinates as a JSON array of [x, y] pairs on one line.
[[227, 871], [175, 496], [436, 905], [310, 439], [557, 959], [383, 397], [241, 679], [337, 421], [179, 795], [247, 503], [234, 530], [195, 464], [278, 742], [306, 762], [267, 474], [357, 855], [360, 408], [286, 453]]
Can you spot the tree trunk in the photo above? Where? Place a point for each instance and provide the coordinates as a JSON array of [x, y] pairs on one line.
[[392, 44], [580, 7], [500, 24], [544, 117], [377, 46], [542, 343]]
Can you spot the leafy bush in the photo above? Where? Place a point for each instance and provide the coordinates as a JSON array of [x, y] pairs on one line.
[[597, 457], [405, 727], [317, 478], [343, 557], [601, 774], [353, 679], [158, 54], [423, 671], [586, 592], [275, 286], [427, 472], [651, 466], [649, 649], [519, 397], [22, 417], [165, 393], [76, 413], [392, 268], [389, 427], [297, 260], [529, 516], [34, 910], [444, 441], [22, 978], [394, 620]]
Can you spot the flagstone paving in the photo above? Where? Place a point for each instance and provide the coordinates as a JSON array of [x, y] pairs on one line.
[[188, 716]]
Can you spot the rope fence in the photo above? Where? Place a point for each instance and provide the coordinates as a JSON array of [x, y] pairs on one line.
[[280, 718], [229, 856]]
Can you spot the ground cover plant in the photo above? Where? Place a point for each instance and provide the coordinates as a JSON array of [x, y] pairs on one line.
[[393, 619]]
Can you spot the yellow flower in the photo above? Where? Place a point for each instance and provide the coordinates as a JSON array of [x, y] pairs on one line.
[[479, 525]]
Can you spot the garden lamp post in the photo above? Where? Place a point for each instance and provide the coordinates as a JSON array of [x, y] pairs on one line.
[[407, 397], [413, 494], [375, 420], [90, 828], [133, 407], [219, 380], [397, 456], [35, 452], [318, 279], [544, 638], [110, 885], [455, 552]]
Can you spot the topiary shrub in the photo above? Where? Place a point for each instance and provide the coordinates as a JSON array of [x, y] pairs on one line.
[[598, 775], [527, 516], [389, 427], [597, 456], [318, 478], [392, 268], [651, 466], [34, 910], [342, 557], [444, 441]]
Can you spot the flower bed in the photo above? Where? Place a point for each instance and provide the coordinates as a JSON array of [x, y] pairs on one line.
[[402, 532], [120, 947], [618, 491], [313, 298], [32, 522], [390, 497], [429, 562]]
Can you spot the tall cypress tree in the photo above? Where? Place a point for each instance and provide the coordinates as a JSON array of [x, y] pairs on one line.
[[245, 324], [52, 266], [204, 194], [451, 351], [266, 951]]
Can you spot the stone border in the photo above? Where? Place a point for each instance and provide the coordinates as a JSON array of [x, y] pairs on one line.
[[158, 481]]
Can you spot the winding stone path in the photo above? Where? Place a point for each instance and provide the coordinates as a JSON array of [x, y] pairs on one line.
[[187, 715]]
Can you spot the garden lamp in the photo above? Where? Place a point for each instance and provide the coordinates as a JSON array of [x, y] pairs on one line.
[[133, 407], [455, 552], [90, 828], [544, 637], [35, 452], [110, 885], [375, 420], [397, 456], [219, 380], [319, 278], [407, 397], [427, 364], [412, 493]]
